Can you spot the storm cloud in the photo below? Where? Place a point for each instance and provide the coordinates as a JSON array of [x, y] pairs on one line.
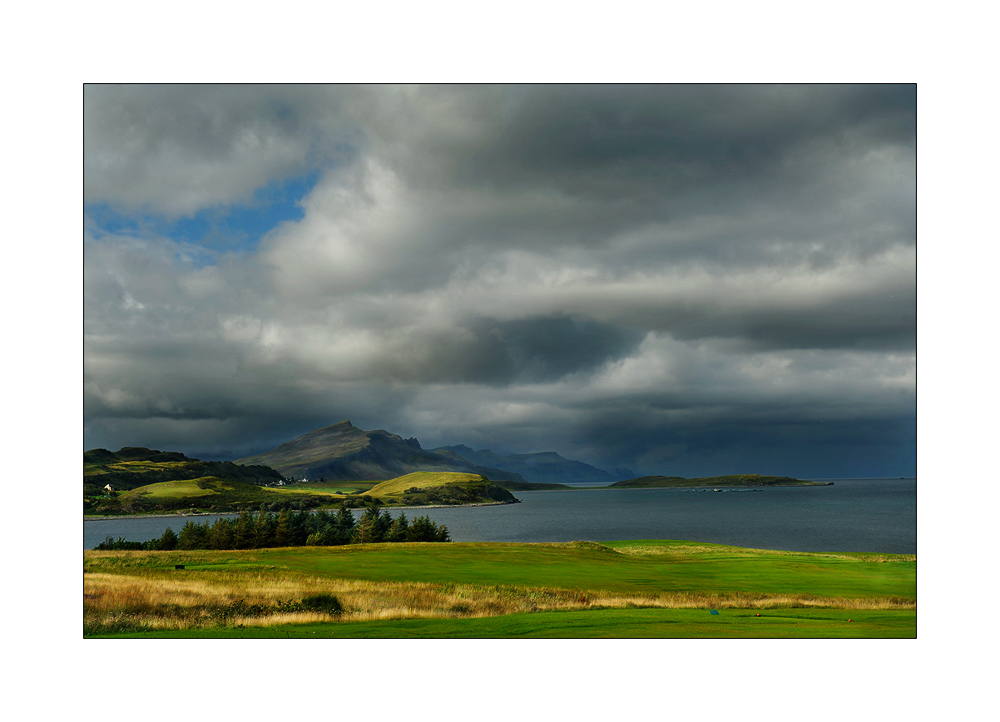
[[674, 279]]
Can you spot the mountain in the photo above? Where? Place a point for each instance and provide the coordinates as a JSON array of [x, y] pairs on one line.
[[343, 451], [542, 467]]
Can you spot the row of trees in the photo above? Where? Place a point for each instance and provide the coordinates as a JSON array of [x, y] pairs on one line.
[[292, 528]]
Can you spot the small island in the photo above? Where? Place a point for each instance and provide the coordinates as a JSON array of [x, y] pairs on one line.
[[733, 480]]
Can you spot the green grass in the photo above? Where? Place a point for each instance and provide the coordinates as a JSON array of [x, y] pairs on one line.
[[334, 487], [188, 488], [420, 480], [693, 568], [204, 492], [215, 494], [439, 487], [598, 623], [656, 583]]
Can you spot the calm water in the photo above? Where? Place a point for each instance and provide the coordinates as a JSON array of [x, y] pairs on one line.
[[854, 515]]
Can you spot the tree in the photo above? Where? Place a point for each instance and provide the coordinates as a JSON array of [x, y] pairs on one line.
[[222, 536], [263, 534], [345, 525], [397, 531], [244, 531], [168, 541], [367, 530], [422, 529], [283, 536], [193, 536], [383, 521]]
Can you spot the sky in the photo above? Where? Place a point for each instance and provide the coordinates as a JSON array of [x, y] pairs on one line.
[[671, 279]]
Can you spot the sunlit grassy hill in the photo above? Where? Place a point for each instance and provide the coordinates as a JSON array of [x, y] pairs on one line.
[[134, 467], [424, 487], [212, 494]]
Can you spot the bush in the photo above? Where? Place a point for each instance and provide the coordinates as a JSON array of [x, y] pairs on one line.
[[324, 603]]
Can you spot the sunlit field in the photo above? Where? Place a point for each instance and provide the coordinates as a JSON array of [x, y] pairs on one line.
[[619, 589]]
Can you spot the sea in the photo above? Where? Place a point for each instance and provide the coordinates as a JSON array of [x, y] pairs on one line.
[[852, 515]]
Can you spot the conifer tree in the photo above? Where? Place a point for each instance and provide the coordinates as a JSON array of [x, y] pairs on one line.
[[168, 541], [222, 536], [397, 531], [193, 536], [283, 536], [263, 535], [244, 531], [367, 530], [345, 525]]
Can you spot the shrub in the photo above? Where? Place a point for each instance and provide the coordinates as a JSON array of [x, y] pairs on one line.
[[324, 603]]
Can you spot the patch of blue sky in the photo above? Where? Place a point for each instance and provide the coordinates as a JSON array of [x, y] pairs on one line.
[[233, 228]]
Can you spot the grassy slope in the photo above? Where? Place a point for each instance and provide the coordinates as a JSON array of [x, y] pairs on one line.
[[648, 568], [212, 491], [134, 468], [335, 487], [420, 480], [188, 488], [677, 567], [200, 493], [439, 487]]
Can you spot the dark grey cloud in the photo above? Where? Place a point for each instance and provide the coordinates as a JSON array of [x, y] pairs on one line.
[[637, 275], [529, 350]]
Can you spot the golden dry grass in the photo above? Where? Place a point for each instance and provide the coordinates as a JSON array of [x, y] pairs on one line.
[[134, 599]]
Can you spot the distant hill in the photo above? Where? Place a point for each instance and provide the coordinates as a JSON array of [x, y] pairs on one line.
[[655, 482], [542, 467], [133, 467], [342, 451], [424, 487]]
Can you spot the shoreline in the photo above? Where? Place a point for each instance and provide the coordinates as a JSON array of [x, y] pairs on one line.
[[383, 507]]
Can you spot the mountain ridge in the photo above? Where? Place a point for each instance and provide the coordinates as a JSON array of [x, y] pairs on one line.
[[342, 451], [538, 467]]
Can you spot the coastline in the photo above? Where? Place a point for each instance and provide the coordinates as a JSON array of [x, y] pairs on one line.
[[384, 507]]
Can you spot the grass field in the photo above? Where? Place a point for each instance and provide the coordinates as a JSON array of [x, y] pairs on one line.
[[334, 487], [419, 480], [217, 494], [581, 589], [202, 492], [615, 624]]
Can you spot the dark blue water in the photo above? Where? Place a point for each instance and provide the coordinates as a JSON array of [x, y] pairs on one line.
[[854, 515]]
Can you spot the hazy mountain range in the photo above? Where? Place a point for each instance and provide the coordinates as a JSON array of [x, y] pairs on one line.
[[541, 467], [343, 451]]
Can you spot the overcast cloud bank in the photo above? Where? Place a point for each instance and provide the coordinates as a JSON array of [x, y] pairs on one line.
[[684, 280]]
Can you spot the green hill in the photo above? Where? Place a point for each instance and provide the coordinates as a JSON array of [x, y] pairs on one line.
[[422, 488], [750, 480], [133, 467], [215, 495]]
